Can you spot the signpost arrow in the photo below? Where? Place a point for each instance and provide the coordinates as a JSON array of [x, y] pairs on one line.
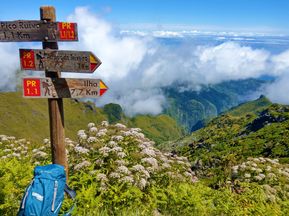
[[37, 30], [63, 88], [58, 60]]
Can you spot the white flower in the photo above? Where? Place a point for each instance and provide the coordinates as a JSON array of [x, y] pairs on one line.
[[80, 132], [3, 139], [101, 177], [142, 183], [104, 124], [112, 144], [99, 162], [268, 168], [123, 169], [136, 129], [149, 152], [258, 170], [100, 134], [90, 125], [92, 172], [121, 154], [3, 157], [247, 175], [138, 135], [11, 138], [117, 138], [127, 179], [7, 150], [285, 174], [81, 150], [40, 154], [256, 160], [120, 126], [91, 139], [104, 130], [114, 175], [127, 133], [46, 141], [262, 176], [166, 166], [82, 165], [146, 173], [258, 178], [181, 162], [93, 130], [82, 136], [188, 174], [152, 161], [138, 168], [116, 149], [120, 162], [16, 155], [271, 175], [104, 151]]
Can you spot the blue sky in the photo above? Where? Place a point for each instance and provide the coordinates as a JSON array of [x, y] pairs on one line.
[[242, 15]]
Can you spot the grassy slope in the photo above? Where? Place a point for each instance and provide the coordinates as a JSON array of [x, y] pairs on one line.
[[160, 128], [230, 138], [29, 118], [250, 107]]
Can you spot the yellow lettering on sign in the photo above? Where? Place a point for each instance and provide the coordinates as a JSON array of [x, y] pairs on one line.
[[27, 55], [31, 83], [66, 25]]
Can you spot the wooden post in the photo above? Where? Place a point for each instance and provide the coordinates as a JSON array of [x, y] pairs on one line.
[[55, 106]]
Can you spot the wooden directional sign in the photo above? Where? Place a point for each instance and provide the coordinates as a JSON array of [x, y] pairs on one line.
[[58, 60], [63, 88], [35, 30]]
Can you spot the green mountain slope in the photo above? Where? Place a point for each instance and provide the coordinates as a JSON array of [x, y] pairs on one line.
[[29, 118], [254, 129], [194, 108]]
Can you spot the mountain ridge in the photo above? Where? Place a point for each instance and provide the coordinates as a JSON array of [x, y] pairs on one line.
[[23, 117]]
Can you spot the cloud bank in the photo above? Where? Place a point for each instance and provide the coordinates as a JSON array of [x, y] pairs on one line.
[[136, 67], [9, 63]]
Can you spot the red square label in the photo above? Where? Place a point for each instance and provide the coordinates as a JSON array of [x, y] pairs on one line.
[[27, 59], [31, 87], [67, 31]]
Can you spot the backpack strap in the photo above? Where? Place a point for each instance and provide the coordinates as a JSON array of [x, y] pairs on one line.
[[72, 194]]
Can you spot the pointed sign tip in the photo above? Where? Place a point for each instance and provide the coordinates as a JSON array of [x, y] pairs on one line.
[[103, 88]]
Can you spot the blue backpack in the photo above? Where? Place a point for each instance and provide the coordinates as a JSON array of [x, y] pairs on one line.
[[45, 194]]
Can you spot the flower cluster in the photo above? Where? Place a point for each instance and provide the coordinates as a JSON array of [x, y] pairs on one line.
[[264, 171], [10, 147], [121, 155]]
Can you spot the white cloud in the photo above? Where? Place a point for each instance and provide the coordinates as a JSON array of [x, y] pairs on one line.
[[135, 68], [230, 61], [281, 63], [9, 63], [278, 91]]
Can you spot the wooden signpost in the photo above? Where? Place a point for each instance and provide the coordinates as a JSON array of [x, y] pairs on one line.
[[37, 30], [53, 61], [58, 60], [63, 88]]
